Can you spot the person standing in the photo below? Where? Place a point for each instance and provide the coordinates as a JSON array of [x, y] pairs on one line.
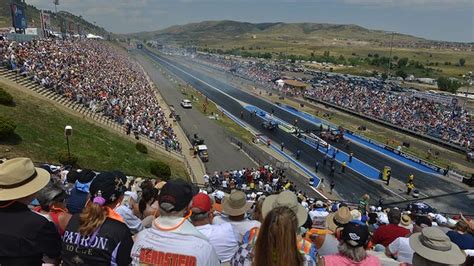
[[343, 167], [389, 175], [325, 159], [350, 157], [26, 237], [410, 186], [316, 167], [298, 154], [411, 177], [333, 169], [331, 186], [282, 146]]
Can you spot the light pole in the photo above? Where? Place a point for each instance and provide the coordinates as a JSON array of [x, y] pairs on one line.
[[67, 134]]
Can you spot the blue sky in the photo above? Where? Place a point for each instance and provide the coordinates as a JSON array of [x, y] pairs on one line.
[[450, 20]]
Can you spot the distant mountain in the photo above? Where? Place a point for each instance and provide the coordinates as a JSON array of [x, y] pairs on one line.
[[33, 19], [226, 29]]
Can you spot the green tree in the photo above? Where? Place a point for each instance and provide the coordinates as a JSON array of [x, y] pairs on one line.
[[402, 62], [7, 126], [384, 76], [160, 170], [462, 61], [449, 85]]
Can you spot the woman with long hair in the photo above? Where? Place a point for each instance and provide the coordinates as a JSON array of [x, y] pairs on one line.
[[148, 203], [277, 242], [98, 235]]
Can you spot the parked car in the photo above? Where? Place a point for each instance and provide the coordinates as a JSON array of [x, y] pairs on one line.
[[186, 104]]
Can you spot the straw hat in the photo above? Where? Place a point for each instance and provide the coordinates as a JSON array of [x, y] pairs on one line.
[[236, 203], [285, 199], [20, 178], [338, 219], [405, 222], [434, 245]]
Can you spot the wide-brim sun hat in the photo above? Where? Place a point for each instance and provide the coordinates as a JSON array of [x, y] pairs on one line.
[[338, 219], [236, 204], [20, 178], [434, 245], [285, 199]]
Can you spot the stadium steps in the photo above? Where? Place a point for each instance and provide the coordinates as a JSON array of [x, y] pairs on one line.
[[80, 108]]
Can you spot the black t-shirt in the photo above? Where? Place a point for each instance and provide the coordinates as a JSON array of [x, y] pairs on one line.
[[110, 244], [26, 236]]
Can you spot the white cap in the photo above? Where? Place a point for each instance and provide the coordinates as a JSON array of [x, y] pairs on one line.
[[319, 203], [440, 219], [219, 194], [382, 218]]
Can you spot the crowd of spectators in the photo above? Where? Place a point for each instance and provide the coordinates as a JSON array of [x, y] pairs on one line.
[[368, 96], [96, 75], [55, 215]]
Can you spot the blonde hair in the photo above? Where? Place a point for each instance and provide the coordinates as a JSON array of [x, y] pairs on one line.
[[276, 242], [92, 216]]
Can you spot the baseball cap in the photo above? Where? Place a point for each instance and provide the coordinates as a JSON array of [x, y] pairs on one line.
[[175, 195], [201, 203], [109, 186], [355, 234]]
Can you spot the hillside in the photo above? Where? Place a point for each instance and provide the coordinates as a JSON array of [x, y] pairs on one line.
[[33, 17], [350, 48], [206, 31]]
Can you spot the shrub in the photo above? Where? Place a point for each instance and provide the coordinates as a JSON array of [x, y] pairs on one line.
[[65, 160], [141, 147], [5, 97], [161, 170], [7, 127]]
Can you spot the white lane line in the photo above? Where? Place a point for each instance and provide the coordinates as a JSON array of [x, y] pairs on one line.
[[200, 80]]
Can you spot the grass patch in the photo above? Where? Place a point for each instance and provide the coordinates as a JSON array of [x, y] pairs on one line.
[[39, 135]]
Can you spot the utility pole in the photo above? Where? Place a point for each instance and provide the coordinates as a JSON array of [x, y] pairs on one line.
[[390, 59]]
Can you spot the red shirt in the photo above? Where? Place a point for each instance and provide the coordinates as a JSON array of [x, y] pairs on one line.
[[385, 234]]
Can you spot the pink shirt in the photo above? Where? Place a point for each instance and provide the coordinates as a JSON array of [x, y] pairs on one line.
[[339, 260]]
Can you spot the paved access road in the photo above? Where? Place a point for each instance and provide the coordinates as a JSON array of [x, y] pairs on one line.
[[222, 154], [349, 185]]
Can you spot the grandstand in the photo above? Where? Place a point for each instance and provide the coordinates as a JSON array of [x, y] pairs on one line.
[[317, 193]]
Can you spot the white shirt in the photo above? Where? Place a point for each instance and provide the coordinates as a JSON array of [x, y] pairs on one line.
[[185, 244], [240, 227], [222, 238], [401, 249]]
